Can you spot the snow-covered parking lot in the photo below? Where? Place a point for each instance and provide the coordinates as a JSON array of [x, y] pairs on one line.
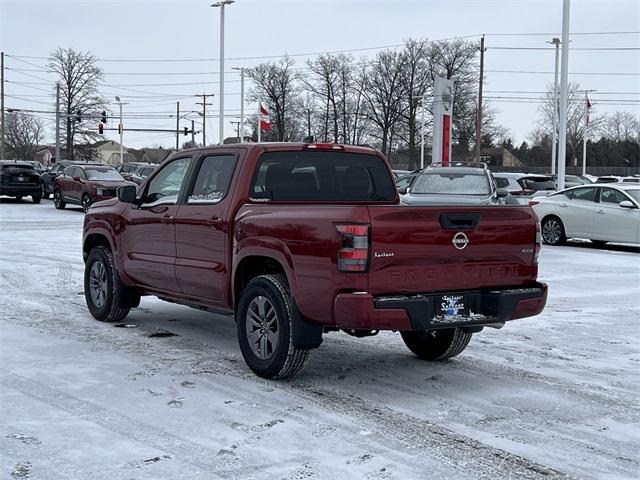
[[171, 398]]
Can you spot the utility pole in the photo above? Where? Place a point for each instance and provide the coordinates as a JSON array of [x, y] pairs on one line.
[[57, 121], [2, 105], [564, 80], [204, 116], [237, 124], [479, 119], [554, 143], [241, 102], [422, 135], [193, 134], [177, 125], [121, 130]]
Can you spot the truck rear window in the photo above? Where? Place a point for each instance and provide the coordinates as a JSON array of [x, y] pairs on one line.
[[322, 176]]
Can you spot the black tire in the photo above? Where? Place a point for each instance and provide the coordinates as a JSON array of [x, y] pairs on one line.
[[19, 198], [44, 191], [115, 305], [436, 344], [553, 232], [86, 202], [598, 243], [284, 360], [58, 202], [36, 198]]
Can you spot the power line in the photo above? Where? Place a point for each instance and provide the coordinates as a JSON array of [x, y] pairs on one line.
[[571, 48], [570, 73]]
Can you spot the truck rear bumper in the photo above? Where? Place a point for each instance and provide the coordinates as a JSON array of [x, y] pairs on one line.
[[363, 311]]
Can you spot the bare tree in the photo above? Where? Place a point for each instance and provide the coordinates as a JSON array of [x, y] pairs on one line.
[[620, 127], [575, 118], [276, 87], [81, 102], [23, 134], [385, 93]]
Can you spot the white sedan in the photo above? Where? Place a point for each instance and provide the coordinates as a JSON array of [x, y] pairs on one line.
[[601, 213]]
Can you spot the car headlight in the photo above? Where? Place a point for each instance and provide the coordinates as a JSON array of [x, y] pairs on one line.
[[99, 191]]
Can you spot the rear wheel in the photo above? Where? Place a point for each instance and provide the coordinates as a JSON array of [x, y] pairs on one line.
[[86, 202], [553, 231], [44, 191], [264, 318], [436, 344], [106, 296], [58, 202], [36, 198]]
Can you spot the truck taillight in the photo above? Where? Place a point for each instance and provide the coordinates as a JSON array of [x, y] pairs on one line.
[[353, 255], [538, 245]]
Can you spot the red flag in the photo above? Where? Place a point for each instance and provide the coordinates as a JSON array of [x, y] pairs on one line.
[[265, 122]]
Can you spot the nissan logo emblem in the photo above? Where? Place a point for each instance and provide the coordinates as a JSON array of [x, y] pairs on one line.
[[460, 240]]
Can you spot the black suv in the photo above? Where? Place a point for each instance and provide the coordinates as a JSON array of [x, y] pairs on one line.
[[19, 179]]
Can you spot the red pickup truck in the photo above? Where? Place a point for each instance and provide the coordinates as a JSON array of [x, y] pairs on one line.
[[300, 239]]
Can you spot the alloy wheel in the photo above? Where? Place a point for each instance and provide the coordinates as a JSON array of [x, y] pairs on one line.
[[98, 284], [262, 327], [552, 231]]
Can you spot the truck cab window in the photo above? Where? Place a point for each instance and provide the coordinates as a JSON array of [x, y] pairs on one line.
[[213, 179], [165, 186]]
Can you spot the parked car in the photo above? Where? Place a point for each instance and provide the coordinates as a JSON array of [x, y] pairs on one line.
[[298, 239], [86, 184], [128, 168], [19, 179], [602, 214], [457, 185], [141, 173], [37, 166], [48, 176], [572, 180], [525, 186], [609, 179], [404, 183]]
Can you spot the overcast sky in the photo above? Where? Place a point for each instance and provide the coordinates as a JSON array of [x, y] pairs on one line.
[[162, 29]]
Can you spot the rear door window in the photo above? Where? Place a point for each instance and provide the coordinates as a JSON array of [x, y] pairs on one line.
[[322, 176], [585, 194], [214, 177]]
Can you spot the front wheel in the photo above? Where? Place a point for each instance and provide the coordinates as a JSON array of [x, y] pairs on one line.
[[264, 319], [58, 202], [436, 344], [553, 231], [104, 292], [86, 202]]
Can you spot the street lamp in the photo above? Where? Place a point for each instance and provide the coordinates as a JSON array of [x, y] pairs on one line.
[[556, 42], [222, 4]]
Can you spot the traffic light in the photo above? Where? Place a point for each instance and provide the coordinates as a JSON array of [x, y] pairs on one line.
[[119, 128], [103, 118], [186, 131], [101, 128]]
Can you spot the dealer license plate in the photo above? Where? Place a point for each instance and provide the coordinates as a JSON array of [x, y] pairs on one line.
[[452, 306]]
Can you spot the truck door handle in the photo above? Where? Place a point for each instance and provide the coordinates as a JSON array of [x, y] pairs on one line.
[[563, 204], [167, 219], [214, 222]]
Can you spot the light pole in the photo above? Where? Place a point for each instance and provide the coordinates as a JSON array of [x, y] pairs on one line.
[[241, 102], [120, 129], [564, 80], [556, 42], [222, 4]]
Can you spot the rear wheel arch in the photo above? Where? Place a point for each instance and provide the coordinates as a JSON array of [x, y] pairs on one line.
[[251, 267]]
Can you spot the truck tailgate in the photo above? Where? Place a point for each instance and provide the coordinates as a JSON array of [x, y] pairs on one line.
[[413, 248]]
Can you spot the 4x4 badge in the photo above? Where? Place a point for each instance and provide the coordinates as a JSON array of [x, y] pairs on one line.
[[460, 240]]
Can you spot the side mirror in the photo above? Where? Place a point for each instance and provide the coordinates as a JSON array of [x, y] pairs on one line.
[[403, 191], [127, 194], [77, 179], [502, 193], [627, 204]]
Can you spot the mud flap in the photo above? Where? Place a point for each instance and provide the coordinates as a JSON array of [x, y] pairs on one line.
[[306, 336]]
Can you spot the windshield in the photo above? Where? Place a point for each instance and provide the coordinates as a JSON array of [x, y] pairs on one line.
[[451, 184], [635, 194], [102, 174]]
